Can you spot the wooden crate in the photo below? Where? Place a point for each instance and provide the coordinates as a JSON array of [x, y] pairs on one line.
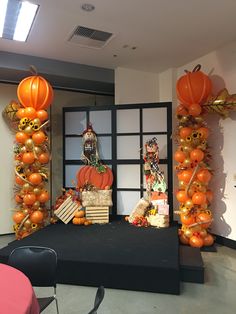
[[97, 214], [67, 210]]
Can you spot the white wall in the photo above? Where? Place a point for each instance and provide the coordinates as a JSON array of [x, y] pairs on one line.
[[221, 66], [7, 93], [133, 87]]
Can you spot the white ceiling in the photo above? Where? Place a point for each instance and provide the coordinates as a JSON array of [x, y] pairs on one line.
[[167, 33]]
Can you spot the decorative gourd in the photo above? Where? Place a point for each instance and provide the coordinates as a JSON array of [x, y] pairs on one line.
[[79, 214], [34, 91], [89, 174], [193, 87]]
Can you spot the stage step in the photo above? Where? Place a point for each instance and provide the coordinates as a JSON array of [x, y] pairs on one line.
[[191, 264]]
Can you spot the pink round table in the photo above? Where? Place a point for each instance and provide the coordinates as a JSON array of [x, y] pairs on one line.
[[16, 292]]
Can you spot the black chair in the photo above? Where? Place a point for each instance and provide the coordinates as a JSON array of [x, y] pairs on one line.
[[98, 299], [39, 265]]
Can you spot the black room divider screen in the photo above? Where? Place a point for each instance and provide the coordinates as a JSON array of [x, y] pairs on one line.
[[122, 131]]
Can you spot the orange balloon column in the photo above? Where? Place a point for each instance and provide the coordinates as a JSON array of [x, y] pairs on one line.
[[32, 154], [192, 158]]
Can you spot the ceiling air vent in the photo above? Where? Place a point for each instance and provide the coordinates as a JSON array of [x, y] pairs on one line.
[[89, 37]]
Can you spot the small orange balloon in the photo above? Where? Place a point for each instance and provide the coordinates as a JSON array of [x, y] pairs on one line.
[[209, 195], [18, 198], [30, 113], [197, 155], [208, 240], [183, 239], [18, 217], [42, 115], [39, 137], [185, 132], [20, 113], [43, 158], [194, 110], [179, 156], [205, 220], [43, 197], [181, 196], [204, 175], [181, 110], [204, 132], [35, 178], [19, 181], [199, 198], [185, 175], [196, 241], [37, 217], [29, 199], [28, 158], [187, 219], [21, 137]]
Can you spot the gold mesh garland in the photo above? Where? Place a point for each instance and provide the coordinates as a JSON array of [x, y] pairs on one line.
[[9, 114]]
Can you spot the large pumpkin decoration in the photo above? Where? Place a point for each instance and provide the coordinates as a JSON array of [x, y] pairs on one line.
[[90, 174], [193, 87], [36, 92]]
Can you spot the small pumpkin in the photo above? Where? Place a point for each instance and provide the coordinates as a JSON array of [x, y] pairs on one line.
[[79, 214], [78, 221]]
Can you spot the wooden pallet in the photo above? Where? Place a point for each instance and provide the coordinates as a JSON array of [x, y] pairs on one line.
[[97, 214], [67, 210]]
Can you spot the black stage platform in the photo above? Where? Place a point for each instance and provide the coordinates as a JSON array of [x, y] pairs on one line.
[[116, 255]]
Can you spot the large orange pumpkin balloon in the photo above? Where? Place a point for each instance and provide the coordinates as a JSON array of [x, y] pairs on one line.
[[193, 87], [35, 91]]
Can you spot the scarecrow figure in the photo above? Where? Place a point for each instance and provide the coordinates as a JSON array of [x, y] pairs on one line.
[[90, 151], [154, 177]]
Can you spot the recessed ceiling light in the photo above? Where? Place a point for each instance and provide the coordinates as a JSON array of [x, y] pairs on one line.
[[16, 19], [88, 7]]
